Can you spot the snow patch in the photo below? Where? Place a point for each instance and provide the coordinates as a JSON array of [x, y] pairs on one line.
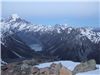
[[17, 54], [2, 62], [71, 65]]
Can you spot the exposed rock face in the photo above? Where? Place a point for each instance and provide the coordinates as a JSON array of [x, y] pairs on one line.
[[44, 71], [35, 71], [65, 71], [85, 66], [55, 68]]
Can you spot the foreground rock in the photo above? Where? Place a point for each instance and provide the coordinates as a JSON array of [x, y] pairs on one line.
[[54, 69], [85, 66], [65, 71], [27, 68]]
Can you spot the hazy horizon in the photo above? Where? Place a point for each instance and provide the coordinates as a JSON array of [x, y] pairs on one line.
[[79, 14]]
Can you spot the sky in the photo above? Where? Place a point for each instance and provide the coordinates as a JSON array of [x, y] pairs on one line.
[[73, 13]]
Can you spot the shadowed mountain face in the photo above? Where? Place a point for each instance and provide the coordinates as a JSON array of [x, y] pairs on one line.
[[13, 48], [19, 37]]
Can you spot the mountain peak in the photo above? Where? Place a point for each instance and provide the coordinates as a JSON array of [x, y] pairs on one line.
[[14, 17]]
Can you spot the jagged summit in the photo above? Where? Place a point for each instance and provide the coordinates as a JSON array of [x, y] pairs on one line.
[[14, 16]]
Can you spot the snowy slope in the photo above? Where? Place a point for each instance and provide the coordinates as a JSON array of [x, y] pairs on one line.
[[70, 65], [15, 24]]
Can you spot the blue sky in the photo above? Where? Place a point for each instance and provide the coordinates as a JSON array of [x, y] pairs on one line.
[[73, 13]]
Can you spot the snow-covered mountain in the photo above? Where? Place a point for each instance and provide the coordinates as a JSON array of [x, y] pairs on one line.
[[15, 24], [65, 42]]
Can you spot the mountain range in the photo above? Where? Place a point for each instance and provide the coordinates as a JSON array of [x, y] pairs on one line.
[[21, 39]]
